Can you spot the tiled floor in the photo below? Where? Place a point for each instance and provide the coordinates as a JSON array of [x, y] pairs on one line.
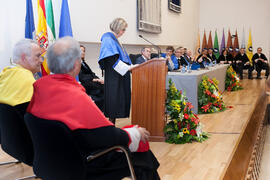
[[265, 166]]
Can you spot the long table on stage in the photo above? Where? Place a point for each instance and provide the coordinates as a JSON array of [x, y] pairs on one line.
[[189, 81]]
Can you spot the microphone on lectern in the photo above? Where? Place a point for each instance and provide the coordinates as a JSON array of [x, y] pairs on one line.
[[157, 47]]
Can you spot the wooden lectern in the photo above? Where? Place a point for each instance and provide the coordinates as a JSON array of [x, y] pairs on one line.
[[148, 97]]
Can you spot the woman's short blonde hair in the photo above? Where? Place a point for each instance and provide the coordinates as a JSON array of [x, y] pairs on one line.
[[117, 25]]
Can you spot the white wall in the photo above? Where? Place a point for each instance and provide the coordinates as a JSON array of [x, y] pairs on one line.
[[238, 14], [90, 19]]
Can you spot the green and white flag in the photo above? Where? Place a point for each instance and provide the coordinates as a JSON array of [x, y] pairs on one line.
[[50, 21]]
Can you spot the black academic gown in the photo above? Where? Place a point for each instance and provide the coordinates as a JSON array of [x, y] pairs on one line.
[[94, 89], [225, 59], [239, 67], [212, 57], [259, 65], [117, 90], [205, 60], [113, 165]]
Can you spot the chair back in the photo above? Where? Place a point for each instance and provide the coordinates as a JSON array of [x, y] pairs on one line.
[[15, 138], [133, 57], [56, 153]]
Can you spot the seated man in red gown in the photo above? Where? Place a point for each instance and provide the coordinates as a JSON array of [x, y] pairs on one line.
[[60, 97]]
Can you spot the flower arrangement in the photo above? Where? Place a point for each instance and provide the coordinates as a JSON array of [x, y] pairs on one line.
[[209, 98], [183, 126], [232, 82]]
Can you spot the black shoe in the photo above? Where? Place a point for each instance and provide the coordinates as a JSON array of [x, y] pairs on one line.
[[258, 77], [250, 77]]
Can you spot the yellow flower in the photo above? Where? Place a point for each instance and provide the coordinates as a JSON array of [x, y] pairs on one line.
[[175, 121], [173, 88], [184, 103], [204, 82], [185, 131], [175, 106]]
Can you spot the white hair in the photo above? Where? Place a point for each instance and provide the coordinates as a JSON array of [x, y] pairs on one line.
[[63, 54], [117, 25], [24, 46]]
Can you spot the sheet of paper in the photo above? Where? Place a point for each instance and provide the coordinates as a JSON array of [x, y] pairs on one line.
[[121, 67]]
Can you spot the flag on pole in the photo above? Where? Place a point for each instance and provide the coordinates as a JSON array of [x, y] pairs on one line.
[[204, 43], [249, 50], [243, 44], [198, 48], [210, 42], [216, 49], [229, 42], [65, 24], [50, 21], [235, 44], [29, 21], [222, 44], [42, 37]]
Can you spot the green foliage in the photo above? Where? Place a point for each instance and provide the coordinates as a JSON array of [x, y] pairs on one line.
[[184, 126]]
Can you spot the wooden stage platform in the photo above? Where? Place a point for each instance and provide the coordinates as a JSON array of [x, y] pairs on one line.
[[229, 153]]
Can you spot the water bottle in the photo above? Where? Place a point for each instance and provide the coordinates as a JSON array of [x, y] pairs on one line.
[[184, 69]]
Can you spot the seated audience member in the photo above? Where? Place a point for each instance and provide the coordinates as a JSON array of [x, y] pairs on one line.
[[202, 59], [172, 61], [69, 104], [146, 55], [225, 58], [184, 51], [93, 85], [190, 58], [16, 83], [182, 61], [211, 55], [260, 61], [242, 62]]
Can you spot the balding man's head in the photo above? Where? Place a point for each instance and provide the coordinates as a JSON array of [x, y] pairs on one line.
[[63, 54]]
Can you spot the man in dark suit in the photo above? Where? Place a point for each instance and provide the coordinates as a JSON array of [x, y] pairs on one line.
[[241, 62], [93, 85], [146, 55], [181, 58], [260, 61]]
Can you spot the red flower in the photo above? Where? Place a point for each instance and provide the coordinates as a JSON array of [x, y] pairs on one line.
[[188, 126], [196, 116], [193, 132], [179, 125], [207, 92], [213, 96], [205, 108], [190, 106], [210, 81], [186, 116]]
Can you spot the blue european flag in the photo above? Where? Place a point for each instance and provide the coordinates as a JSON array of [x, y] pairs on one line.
[[29, 21], [65, 24]]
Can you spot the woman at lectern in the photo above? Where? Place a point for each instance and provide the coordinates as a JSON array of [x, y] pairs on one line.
[[115, 62]]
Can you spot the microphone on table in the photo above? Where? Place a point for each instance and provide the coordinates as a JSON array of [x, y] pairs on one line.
[[157, 47]]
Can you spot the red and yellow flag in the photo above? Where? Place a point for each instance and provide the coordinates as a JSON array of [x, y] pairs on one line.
[[42, 36]]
